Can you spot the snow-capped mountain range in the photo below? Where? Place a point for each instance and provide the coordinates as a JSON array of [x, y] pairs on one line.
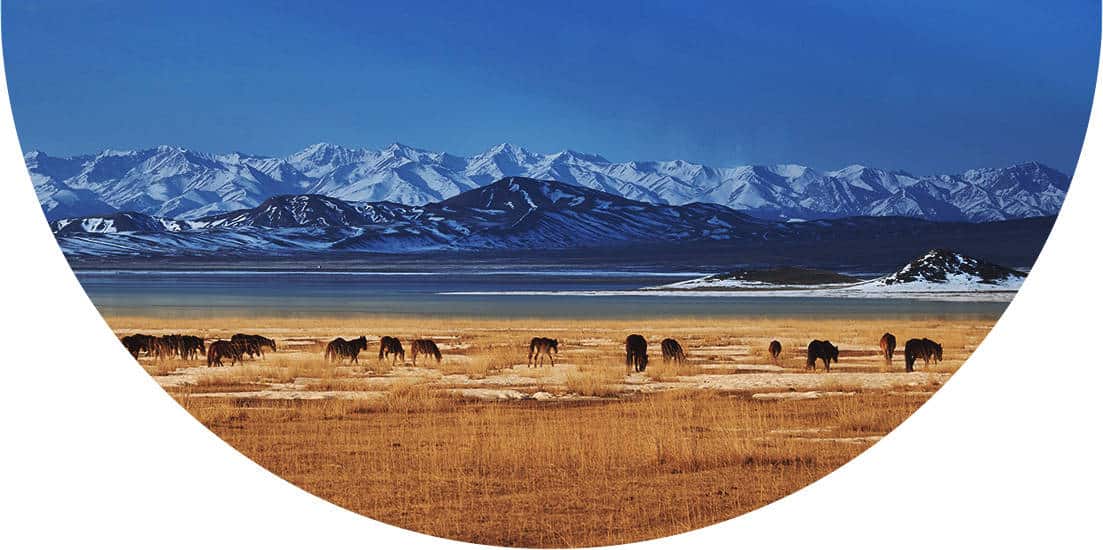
[[510, 214], [174, 182], [528, 216]]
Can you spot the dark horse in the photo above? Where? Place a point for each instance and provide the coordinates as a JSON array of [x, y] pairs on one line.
[[925, 349], [822, 349], [672, 351], [541, 347], [339, 348], [775, 350], [391, 346], [426, 347], [888, 346], [191, 346], [168, 345], [635, 352], [253, 344], [137, 343], [220, 349]]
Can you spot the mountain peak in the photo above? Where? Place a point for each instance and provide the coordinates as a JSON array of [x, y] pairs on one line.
[[943, 266], [572, 155]]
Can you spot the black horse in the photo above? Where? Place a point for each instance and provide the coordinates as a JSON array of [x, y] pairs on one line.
[[635, 351], [390, 346], [191, 346], [223, 348], [822, 349], [137, 343], [339, 349], [253, 344], [925, 349], [672, 351]]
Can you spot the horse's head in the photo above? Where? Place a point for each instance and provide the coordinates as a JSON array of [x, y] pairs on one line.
[[362, 343], [834, 352], [938, 351], [554, 344]]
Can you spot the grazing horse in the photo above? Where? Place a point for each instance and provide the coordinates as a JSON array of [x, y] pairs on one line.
[[775, 350], [635, 352], [137, 343], [339, 348], [392, 347], [672, 351], [888, 346], [925, 349], [822, 349], [191, 347], [168, 345], [542, 347], [220, 349], [424, 346], [253, 344]]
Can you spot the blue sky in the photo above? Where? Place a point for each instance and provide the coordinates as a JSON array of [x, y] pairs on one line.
[[926, 86]]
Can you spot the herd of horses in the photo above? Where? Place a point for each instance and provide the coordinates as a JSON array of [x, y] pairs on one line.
[[914, 349], [185, 346], [635, 349], [340, 349]]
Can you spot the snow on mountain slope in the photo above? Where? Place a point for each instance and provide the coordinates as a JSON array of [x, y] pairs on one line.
[[938, 272], [946, 270], [180, 183], [512, 213]]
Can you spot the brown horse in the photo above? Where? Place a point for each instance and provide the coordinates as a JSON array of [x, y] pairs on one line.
[[339, 348], [542, 347], [220, 349], [424, 346], [672, 351], [888, 346], [925, 349], [775, 350], [253, 344], [822, 349], [392, 347], [635, 352]]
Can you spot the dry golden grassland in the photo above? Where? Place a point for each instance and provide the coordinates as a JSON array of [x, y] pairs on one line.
[[483, 448]]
